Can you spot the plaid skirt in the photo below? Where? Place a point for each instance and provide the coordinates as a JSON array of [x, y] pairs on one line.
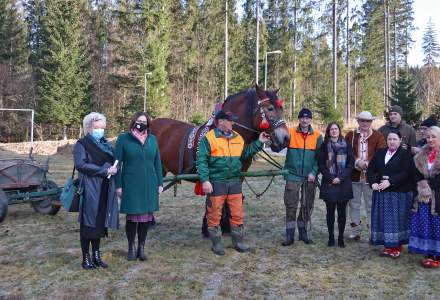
[[141, 218]]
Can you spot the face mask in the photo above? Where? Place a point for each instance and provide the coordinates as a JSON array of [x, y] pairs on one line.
[[98, 133], [140, 127]]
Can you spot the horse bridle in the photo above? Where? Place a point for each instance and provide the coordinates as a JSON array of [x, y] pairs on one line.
[[274, 124]]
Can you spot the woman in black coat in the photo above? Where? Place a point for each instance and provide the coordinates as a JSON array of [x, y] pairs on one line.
[[336, 162], [390, 174], [94, 160]]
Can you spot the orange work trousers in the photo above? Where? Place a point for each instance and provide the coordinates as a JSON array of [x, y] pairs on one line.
[[215, 207]]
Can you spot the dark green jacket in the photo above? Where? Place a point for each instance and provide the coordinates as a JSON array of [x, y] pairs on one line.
[[223, 162], [140, 175]]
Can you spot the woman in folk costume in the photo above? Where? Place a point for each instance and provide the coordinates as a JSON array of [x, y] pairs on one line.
[[390, 176], [336, 162], [425, 219]]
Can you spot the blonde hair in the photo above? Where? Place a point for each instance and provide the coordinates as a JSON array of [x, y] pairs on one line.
[[90, 119], [435, 130]]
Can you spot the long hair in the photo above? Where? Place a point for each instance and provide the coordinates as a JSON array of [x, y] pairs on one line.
[[327, 132], [136, 116]]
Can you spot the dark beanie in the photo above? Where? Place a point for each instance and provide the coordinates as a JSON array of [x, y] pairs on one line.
[[397, 109], [305, 112], [430, 121]]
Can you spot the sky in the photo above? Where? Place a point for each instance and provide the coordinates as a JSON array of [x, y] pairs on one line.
[[423, 10]]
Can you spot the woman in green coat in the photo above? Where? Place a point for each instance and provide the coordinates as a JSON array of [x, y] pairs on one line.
[[140, 181]]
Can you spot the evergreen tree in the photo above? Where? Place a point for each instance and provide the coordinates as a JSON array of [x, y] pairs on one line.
[[64, 86], [403, 94], [15, 86], [152, 57], [430, 46]]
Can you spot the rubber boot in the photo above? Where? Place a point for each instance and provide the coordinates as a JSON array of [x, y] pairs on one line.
[[290, 237], [237, 235], [303, 236], [216, 239]]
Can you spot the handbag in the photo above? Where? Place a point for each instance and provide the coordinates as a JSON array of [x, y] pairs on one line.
[[71, 195]]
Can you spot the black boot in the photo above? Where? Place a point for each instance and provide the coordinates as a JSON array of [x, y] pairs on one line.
[[87, 262], [331, 240], [303, 236], [97, 261], [290, 237], [130, 230], [341, 243], [142, 237], [130, 252], [140, 252]]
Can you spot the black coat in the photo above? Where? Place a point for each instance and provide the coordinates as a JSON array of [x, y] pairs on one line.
[[91, 178], [335, 192], [400, 169]]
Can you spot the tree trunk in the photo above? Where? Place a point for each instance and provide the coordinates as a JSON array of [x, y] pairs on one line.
[[334, 56]]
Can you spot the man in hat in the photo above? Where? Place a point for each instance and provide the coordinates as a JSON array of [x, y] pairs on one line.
[[365, 141], [395, 114], [302, 164], [218, 166]]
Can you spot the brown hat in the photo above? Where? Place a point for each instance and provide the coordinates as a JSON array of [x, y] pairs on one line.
[[396, 108]]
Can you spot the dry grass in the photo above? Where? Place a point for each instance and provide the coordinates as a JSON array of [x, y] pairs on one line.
[[40, 257]]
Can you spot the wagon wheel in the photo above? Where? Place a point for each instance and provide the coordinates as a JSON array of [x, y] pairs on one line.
[[3, 205], [45, 206]]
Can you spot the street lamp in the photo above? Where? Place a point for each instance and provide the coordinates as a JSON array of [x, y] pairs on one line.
[[265, 65], [145, 90]]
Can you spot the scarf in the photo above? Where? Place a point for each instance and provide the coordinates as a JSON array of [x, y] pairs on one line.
[[141, 136], [337, 156], [432, 156], [103, 144], [100, 152]]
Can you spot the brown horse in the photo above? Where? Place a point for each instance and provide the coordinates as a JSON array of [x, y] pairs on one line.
[[258, 110]]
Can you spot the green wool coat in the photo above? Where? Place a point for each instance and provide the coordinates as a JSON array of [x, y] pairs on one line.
[[140, 174]]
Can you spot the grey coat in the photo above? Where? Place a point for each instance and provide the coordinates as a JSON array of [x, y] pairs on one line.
[[91, 177]]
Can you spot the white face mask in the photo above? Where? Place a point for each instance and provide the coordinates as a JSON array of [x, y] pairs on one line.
[[98, 133]]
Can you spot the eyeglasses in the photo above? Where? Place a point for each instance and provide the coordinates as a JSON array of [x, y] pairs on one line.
[[365, 121], [143, 122]]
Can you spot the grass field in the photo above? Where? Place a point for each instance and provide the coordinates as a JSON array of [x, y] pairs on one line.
[[40, 257]]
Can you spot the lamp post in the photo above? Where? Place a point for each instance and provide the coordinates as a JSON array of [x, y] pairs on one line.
[[145, 90], [265, 65]]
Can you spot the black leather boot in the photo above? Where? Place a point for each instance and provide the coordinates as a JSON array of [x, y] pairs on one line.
[[341, 243], [130, 253], [303, 236], [140, 252], [290, 237], [97, 261], [87, 262], [331, 240]]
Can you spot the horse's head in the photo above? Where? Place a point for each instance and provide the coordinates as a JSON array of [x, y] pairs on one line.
[[268, 116]]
